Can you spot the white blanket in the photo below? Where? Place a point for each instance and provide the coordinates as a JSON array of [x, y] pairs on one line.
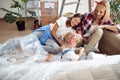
[[16, 65], [58, 70]]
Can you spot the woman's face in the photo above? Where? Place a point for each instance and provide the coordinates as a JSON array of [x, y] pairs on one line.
[[75, 21], [100, 11]]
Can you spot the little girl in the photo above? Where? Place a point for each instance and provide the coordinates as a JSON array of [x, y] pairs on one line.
[[69, 50]]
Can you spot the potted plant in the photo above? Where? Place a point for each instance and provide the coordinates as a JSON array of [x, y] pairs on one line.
[[11, 16], [115, 10]]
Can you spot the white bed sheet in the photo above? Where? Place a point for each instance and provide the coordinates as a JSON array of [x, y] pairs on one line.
[[28, 69]]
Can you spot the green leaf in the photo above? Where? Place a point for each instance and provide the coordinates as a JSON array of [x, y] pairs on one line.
[[15, 4], [8, 11], [10, 18], [31, 13], [21, 8], [25, 1]]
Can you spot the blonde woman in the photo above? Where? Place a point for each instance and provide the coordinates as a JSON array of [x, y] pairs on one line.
[[92, 25]]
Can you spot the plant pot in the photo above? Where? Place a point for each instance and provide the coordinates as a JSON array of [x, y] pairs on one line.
[[20, 25]]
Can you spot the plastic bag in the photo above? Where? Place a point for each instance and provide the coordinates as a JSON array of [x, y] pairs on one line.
[[30, 43]]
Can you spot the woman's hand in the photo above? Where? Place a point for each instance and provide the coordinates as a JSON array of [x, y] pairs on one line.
[[60, 43], [109, 27], [98, 27]]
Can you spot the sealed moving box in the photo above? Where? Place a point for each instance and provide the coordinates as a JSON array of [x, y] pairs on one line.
[[49, 11]]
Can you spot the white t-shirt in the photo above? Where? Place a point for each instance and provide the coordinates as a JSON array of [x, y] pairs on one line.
[[63, 29], [90, 31], [70, 55]]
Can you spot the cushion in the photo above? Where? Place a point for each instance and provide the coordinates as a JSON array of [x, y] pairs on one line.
[[110, 43], [110, 72]]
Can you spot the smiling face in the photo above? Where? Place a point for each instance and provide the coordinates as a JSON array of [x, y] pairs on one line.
[[75, 21], [99, 11]]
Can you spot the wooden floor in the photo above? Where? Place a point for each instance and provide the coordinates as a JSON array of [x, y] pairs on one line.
[[8, 31]]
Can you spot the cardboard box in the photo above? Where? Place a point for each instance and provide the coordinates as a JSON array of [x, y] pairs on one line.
[[49, 11]]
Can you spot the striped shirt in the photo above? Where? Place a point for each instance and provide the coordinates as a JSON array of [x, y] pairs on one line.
[[86, 23]]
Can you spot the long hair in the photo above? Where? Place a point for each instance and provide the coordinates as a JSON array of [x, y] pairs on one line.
[[74, 16], [107, 11]]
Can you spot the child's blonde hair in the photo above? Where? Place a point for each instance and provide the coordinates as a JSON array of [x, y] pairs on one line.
[[72, 36]]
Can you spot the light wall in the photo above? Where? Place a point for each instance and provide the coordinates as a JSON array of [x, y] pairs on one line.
[[4, 4], [83, 7]]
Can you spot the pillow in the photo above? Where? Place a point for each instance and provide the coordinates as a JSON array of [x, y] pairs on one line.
[[110, 43]]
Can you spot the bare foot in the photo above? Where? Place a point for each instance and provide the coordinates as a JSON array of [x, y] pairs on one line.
[[48, 57]]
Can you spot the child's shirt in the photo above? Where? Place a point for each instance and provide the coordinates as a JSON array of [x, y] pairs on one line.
[[69, 55]]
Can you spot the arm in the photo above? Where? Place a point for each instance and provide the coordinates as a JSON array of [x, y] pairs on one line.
[[112, 28], [109, 27], [109, 24], [80, 53], [55, 28], [118, 27]]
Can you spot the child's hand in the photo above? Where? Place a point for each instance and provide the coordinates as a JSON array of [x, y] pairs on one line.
[[80, 52]]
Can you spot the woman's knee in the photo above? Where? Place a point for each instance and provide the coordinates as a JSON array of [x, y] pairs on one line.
[[95, 36], [99, 32]]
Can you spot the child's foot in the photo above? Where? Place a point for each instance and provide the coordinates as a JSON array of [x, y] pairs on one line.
[[48, 57]]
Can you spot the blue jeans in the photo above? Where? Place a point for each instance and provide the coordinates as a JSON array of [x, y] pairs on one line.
[[50, 46]]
